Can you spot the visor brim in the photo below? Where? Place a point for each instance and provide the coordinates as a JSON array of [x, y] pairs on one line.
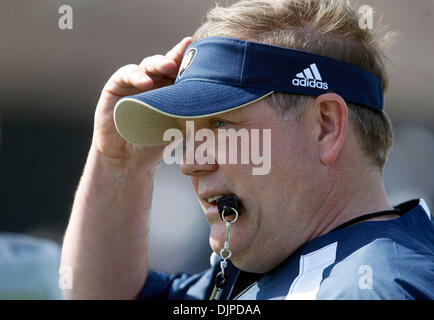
[[143, 118]]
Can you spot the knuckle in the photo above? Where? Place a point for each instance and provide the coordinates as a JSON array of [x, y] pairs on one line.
[[128, 67], [152, 61], [145, 61], [124, 70]]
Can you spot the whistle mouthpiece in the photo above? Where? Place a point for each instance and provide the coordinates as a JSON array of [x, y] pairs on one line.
[[228, 203]]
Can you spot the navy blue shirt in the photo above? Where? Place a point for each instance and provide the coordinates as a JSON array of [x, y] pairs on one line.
[[391, 259]]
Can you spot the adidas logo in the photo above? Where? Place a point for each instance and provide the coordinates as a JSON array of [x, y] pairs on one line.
[[310, 77]]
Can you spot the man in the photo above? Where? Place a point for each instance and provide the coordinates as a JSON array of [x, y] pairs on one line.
[[317, 225]]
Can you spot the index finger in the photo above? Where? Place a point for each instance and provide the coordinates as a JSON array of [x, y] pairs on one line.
[[177, 52]]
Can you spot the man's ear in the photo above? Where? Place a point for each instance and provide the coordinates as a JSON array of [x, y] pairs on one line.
[[332, 118]]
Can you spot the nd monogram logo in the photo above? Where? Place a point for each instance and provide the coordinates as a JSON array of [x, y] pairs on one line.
[[186, 61]]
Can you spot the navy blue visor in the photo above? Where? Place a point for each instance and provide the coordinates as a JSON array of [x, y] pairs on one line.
[[220, 74]]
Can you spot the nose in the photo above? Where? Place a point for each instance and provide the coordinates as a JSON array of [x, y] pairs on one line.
[[194, 163], [197, 169]]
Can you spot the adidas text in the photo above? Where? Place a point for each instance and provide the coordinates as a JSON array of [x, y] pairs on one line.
[[310, 83]]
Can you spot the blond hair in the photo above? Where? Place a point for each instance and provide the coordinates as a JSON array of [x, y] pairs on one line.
[[329, 28]]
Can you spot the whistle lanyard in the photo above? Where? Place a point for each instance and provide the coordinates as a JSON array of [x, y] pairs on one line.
[[225, 254], [367, 216]]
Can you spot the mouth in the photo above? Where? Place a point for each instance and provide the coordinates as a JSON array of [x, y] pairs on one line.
[[213, 200], [209, 202], [215, 203]]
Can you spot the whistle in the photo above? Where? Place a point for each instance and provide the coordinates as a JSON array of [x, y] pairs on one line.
[[227, 204]]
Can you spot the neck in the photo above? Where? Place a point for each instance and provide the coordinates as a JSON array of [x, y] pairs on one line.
[[349, 197]]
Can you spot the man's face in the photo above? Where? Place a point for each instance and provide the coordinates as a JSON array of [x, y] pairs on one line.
[[274, 219]]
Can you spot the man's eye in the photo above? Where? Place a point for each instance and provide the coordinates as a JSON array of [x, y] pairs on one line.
[[220, 123]]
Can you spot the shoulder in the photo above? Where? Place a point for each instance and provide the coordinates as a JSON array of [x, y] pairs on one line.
[[180, 286], [381, 269], [384, 260]]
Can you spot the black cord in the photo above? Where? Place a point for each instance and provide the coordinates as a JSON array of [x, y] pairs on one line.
[[367, 216]]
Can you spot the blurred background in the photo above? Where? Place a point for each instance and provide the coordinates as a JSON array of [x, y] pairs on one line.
[[50, 81]]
